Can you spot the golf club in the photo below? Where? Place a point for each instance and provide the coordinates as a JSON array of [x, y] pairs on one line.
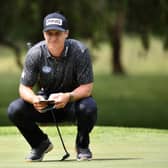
[[59, 133], [29, 45], [50, 108]]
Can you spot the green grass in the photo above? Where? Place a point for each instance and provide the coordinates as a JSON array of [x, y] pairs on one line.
[[111, 146], [139, 101], [132, 100]]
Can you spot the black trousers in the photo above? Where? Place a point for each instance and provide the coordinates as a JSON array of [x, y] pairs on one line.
[[25, 117]]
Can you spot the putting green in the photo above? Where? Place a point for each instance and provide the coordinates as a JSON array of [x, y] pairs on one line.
[[111, 146]]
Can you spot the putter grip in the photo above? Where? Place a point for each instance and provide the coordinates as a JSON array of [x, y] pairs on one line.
[[48, 108], [42, 93]]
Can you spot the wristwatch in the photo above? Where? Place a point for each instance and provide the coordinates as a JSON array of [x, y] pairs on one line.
[[71, 97]]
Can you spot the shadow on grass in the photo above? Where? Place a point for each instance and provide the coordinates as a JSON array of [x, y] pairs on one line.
[[96, 159]]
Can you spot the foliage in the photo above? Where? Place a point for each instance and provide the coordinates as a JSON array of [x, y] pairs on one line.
[[96, 21]]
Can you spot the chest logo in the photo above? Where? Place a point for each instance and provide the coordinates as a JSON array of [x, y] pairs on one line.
[[46, 69]]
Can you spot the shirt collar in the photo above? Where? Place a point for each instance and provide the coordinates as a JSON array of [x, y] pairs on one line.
[[64, 53]]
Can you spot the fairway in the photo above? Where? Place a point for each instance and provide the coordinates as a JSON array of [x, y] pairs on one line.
[[111, 146]]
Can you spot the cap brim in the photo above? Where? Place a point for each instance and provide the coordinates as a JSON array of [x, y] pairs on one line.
[[53, 28]]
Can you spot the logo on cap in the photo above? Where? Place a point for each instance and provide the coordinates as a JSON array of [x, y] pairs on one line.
[[54, 21]]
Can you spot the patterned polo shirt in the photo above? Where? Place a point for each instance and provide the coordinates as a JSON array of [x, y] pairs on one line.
[[63, 74]]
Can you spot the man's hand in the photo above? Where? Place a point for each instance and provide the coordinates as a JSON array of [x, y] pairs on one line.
[[38, 105], [61, 99]]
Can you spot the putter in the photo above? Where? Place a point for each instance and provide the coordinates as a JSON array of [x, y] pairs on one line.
[[59, 133], [50, 108], [29, 45]]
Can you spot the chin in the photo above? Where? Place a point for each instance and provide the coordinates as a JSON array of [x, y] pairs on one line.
[[52, 45]]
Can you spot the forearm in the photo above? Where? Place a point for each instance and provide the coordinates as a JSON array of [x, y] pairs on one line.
[[81, 92], [26, 93]]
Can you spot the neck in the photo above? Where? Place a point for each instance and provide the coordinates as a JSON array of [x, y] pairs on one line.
[[56, 52]]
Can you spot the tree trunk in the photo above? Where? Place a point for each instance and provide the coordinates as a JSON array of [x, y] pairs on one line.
[[115, 32], [15, 48]]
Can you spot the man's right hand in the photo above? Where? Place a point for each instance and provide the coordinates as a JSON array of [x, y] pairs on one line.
[[38, 105]]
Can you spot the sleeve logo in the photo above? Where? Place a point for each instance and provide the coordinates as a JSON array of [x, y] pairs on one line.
[[23, 74]]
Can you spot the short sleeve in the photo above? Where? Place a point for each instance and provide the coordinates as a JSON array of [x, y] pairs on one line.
[[84, 68], [30, 71]]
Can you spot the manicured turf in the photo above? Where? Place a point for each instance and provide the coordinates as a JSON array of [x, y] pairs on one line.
[[111, 146]]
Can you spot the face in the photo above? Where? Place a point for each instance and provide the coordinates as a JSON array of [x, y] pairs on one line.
[[55, 39]]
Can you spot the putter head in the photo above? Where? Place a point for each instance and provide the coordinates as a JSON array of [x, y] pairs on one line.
[[65, 156]]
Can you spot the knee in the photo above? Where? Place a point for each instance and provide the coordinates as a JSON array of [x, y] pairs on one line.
[[14, 109], [87, 107]]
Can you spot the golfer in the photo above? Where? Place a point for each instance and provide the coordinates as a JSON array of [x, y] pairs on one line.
[[62, 68]]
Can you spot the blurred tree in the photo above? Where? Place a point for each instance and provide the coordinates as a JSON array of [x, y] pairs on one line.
[[8, 17], [96, 21], [115, 19], [144, 18]]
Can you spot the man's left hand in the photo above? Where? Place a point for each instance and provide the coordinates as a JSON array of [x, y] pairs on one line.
[[61, 99]]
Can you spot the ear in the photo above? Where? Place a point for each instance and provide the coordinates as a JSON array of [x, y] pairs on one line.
[[67, 34], [44, 34]]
